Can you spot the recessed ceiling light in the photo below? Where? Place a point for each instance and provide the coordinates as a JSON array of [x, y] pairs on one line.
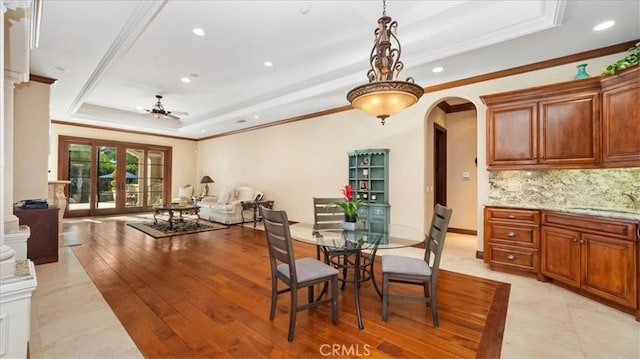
[[203, 131], [256, 117], [437, 69], [604, 25], [268, 63], [198, 31], [185, 80]]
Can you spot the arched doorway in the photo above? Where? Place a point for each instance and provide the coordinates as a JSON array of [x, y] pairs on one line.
[[451, 161]]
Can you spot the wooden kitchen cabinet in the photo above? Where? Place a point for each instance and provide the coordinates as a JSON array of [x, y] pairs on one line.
[[621, 119], [512, 133], [569, 128], [553, 126], [511, 239], [595, 255]]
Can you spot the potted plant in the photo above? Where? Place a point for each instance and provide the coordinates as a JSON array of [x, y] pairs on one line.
[[632, 58], [349, 206]]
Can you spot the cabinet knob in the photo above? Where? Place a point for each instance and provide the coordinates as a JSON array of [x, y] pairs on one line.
[[511, 257], [574, 240], [582, 241], [511, 234], [511, 216]]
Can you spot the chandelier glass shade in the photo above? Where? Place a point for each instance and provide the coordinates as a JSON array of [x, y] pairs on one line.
[[385, 95]]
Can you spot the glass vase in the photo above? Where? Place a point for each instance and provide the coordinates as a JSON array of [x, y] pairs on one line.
[[582, 72]]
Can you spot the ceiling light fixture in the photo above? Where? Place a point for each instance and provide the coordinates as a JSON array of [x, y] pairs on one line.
[[437, 69], [268, 64], [185, 80], [198, 31], [384, 95]]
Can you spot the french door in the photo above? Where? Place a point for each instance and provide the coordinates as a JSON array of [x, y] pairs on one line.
[[108, 177]]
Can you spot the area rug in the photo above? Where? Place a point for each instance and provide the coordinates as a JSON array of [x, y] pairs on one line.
[[161, 229]]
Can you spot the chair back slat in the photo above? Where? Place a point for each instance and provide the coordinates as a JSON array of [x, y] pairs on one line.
[[326, 215], [436, 236], [276, 226]]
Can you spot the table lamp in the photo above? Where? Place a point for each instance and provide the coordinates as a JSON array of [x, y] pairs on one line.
[[206, 180]]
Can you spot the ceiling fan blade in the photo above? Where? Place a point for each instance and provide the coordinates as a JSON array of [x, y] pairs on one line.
[[171, 115], [181, 113]]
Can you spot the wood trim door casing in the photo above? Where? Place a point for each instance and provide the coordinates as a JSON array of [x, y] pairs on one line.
[[63, 168]]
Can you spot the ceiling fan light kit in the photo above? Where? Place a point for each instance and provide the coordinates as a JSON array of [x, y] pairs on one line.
[[159, 112], [385, 95]]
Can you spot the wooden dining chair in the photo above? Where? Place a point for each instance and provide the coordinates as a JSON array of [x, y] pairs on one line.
[[295, 273], [325, 215], [418, 271]]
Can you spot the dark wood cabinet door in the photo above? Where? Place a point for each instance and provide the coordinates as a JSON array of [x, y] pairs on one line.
[[512, 135], [609, 268], [560, 257], [621, 119], [570, 131]]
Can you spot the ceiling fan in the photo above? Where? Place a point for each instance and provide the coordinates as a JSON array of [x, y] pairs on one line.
[[158, 111]]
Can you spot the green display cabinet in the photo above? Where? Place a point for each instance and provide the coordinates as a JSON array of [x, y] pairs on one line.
[[369, 177]]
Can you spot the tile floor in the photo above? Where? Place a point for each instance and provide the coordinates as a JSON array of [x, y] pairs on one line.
[[543, 320]]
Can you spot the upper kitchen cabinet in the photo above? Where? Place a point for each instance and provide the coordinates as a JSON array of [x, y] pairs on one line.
[[554, 126], [621, 119]]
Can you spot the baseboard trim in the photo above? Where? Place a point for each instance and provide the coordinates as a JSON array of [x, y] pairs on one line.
[[463, 231]]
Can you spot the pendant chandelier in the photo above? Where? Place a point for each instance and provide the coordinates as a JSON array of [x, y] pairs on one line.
[[384, 95]]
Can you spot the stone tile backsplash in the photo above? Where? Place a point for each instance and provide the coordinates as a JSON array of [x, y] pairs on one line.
[[600, 188]]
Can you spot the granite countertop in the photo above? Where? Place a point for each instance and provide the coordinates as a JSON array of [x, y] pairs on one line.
[[614, 213]]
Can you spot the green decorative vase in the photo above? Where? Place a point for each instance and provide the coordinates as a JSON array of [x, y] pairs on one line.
[[582, 72]]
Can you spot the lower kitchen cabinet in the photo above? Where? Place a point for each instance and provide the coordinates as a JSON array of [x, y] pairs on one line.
[[511, 239], [595, 255]]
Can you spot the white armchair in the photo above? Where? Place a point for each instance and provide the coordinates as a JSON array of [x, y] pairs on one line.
[[184, 195], [226, 207]]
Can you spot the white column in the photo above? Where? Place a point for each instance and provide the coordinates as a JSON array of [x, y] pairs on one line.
[[14, 59]]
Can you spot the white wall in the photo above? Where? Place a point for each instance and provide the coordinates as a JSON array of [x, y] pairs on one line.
[[184, 151], [462, 192], [292, 163]]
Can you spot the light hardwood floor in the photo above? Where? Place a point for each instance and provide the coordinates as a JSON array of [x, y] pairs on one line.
[[230, 318]]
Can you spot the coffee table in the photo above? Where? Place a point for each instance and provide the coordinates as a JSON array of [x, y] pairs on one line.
[[172, 210]]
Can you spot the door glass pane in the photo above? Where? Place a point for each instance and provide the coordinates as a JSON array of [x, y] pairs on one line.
[[155, 173], [80, 177], [134, 177], [107, 182]]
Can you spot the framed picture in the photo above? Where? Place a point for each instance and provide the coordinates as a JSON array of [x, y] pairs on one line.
[[365, 161], [363, 185]]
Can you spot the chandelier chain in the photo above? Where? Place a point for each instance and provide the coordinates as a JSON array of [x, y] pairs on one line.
[[384, 7]]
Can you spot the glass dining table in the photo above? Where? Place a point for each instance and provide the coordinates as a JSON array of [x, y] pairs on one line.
[[355, 251]]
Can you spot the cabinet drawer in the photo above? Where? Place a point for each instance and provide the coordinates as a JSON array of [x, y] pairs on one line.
[[615, 228], [517, 257], [512, 214], [517, 235]]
